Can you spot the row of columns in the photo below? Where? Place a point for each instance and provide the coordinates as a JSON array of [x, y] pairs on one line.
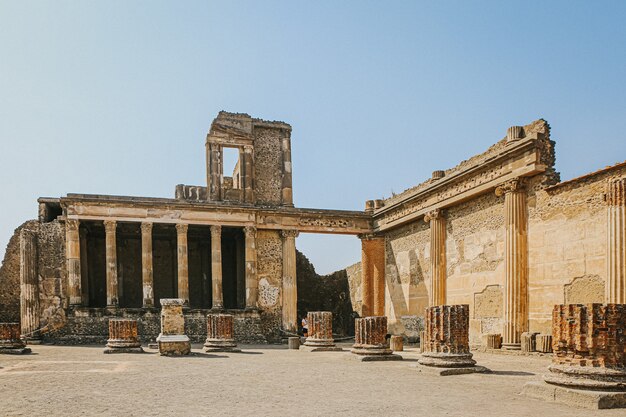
[[110, 226]]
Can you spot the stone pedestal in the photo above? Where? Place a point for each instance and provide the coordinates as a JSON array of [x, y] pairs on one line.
[[293, 342], [320, 332], [123, 337], [172, 340], [10, 341], [543, 343], [446, 348], [369, 340], [589, 360], [220, 334], [396, 344], [492, 341]]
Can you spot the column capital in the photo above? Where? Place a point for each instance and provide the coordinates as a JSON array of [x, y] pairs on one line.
[[289, 233], [250, 231], [248, 148], [434, 215], [146, 227], [616, 192], [369, 236], [216, 231], [181, 228], [72, 225], [110, 226], [511, 186]]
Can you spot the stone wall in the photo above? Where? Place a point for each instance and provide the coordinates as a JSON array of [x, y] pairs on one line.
[[268, 166], [269, 273]]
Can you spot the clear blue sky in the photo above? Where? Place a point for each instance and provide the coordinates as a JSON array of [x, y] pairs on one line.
[[115, 97]]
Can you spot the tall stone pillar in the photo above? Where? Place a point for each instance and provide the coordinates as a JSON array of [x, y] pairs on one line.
[[214, 171], [373, 275], [183, 262], [290, 287], [110, 227], [616, 242], [216, 267], [147, 274], [29, 286], [248, 174], [287, 189], [252, 284], [516, 260], [438, 273], [84, 267], [72, 247]]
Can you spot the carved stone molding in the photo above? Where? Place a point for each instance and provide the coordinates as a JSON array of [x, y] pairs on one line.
[[216, 231], [110, 226], [182, 228], [146, 227], [616, 192], [514, 185], [250, 232], [289, 233]]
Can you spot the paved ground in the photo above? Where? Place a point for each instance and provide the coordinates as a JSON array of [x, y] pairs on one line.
[[263, 381]]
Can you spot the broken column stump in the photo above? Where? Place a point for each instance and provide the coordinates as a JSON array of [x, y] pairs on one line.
[[446, 348], [10, 340], [589, 360], [543, 343], [493, 341], [123, 337], [369, 340], [529, 341], [396, 343], [172, 340], [293, 343], [220, 334], [320, 332]]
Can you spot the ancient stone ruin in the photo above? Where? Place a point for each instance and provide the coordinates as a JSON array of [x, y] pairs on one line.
[[123, 337], [172, 340], [320, 332], [370, 343], [220, 334]]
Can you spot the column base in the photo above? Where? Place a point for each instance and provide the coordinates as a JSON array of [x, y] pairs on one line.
[[511, 346], [308, 348], [366, 353], [109, 349], [15, 351], [441, 371], [587, 378], [594, 400], [447, 360], [221, 345]]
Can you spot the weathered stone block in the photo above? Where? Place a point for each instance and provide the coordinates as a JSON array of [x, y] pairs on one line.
[[10, 340], [529, 341], [172, 340], [543, 343], [492, 341], [396, 344]]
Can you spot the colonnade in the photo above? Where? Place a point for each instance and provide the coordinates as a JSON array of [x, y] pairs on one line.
[[73, 256]]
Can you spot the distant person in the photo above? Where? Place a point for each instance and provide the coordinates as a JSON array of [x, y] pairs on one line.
[[305, 327]]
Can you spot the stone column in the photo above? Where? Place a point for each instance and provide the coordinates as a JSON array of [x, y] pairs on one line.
[[616, 242], [10, 340], [373, 275], [214, 159], [320, 332], [248, 174], [220, 334], [110, 227], [252, 284], [29, 286], [84, 267], [123, 337], [438, 273], [147, 274], [172, 340], [216, 267], [72, 247], [370, 342], [183, 262], [589, 343], [290, 286], [446, 343], [287, 190], [516, 260]]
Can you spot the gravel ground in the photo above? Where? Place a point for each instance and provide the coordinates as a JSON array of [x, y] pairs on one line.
[[263, 381]]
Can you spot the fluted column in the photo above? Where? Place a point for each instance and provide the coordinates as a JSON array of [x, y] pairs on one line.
[[252, 284], [29, 285], [110, 227], [290, 287], [216, 267], [72, 247], [438, 265], [372, 275], [516, 261], [84, 267], [183, 263], [147, 275], [616, 242]]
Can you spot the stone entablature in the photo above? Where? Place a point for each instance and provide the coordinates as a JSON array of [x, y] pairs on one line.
[[507, 160]]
